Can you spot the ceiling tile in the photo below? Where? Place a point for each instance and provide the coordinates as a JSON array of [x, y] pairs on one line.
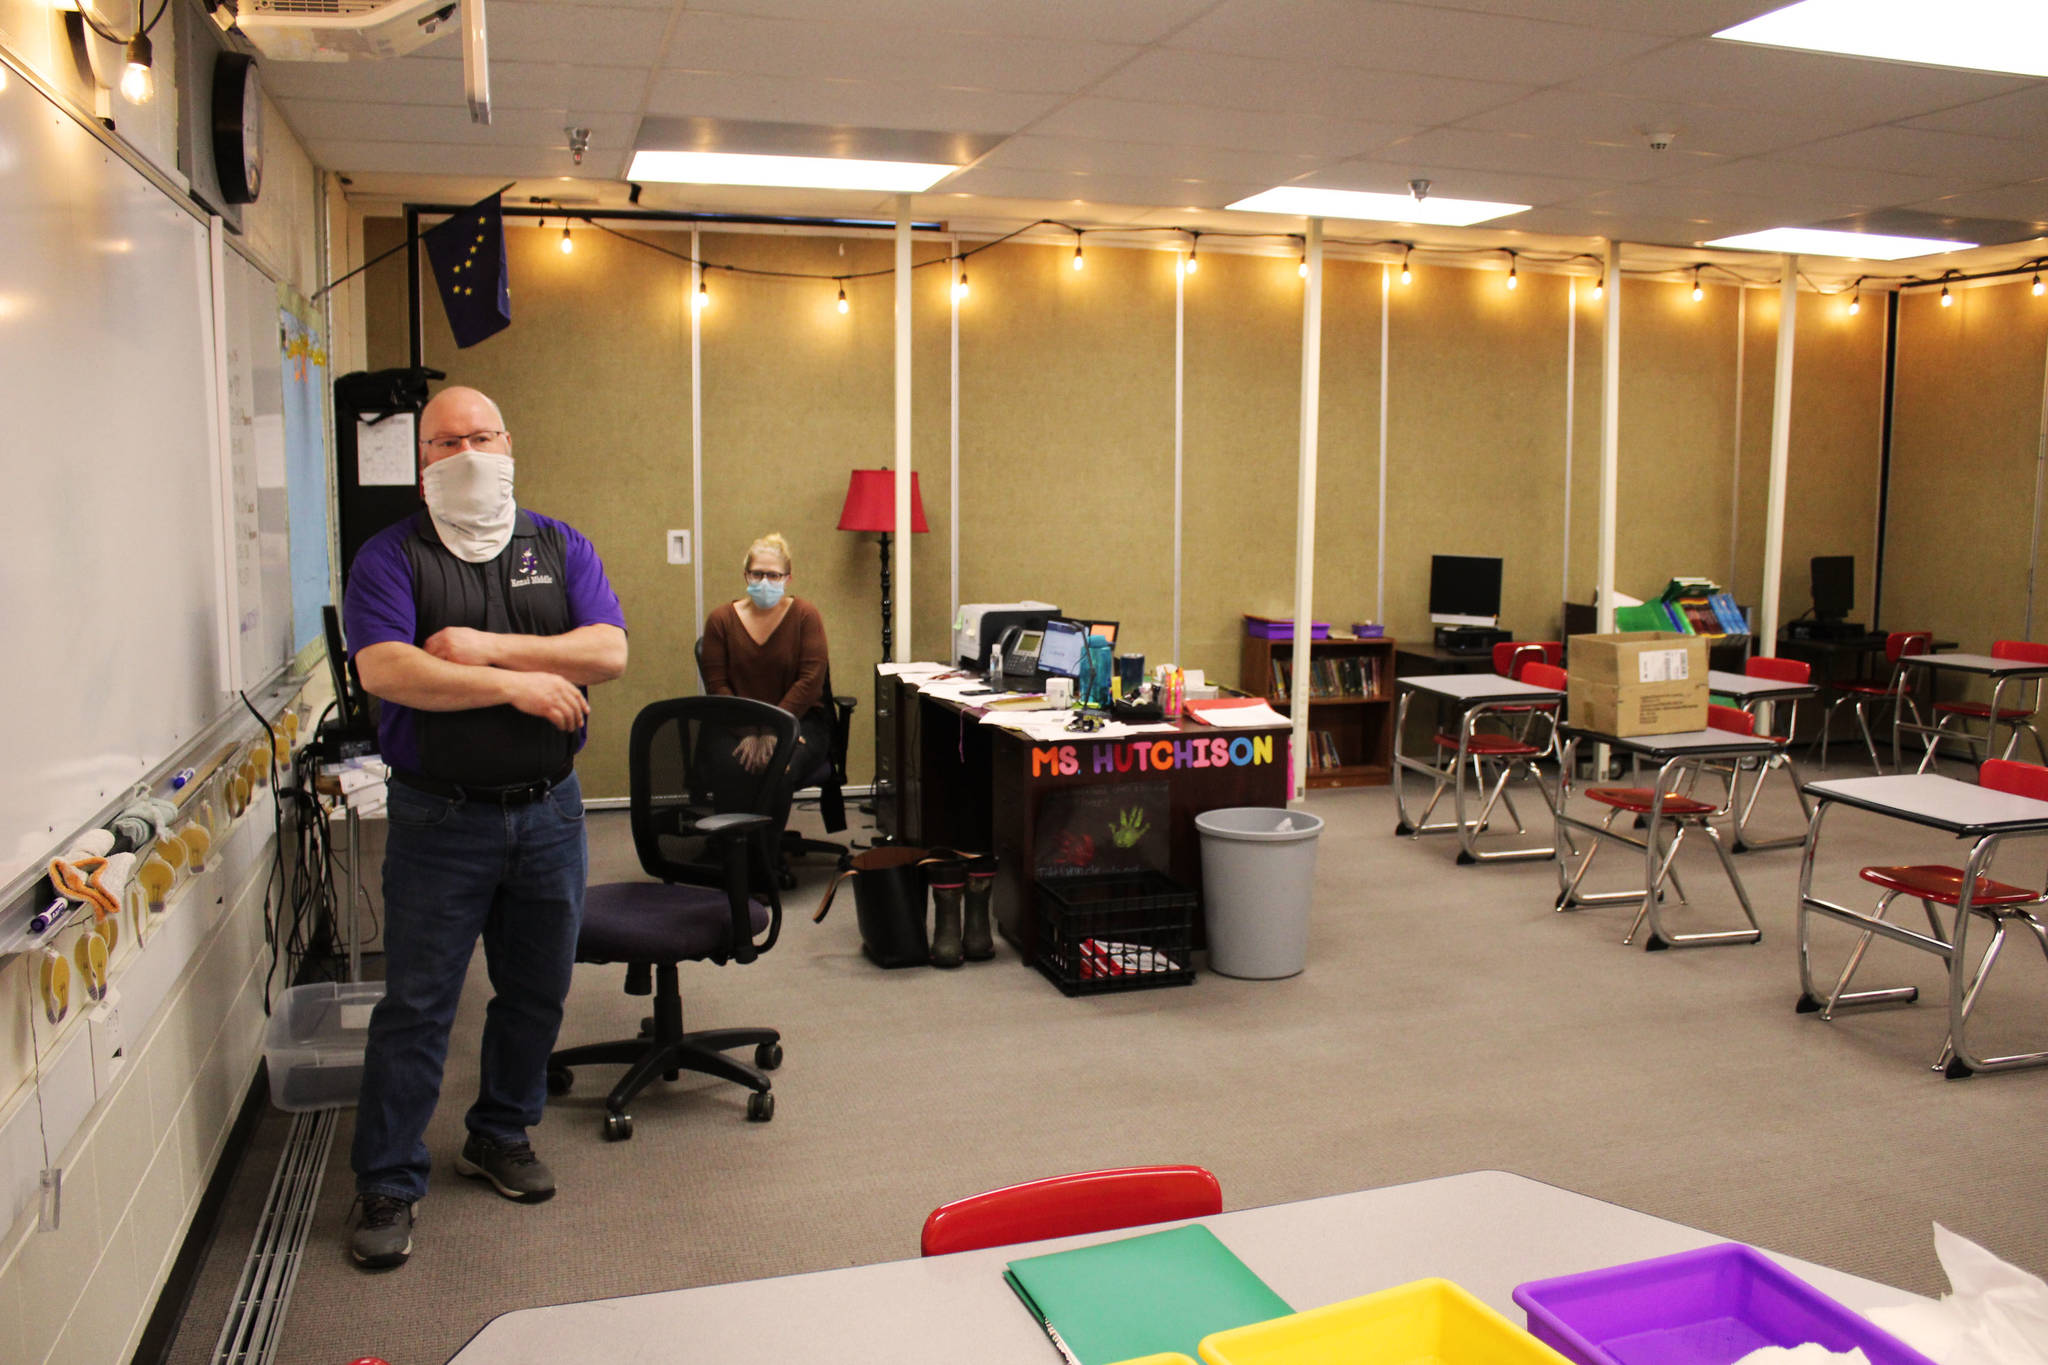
[[861, 51], [1222, 81], [2026, 203], [1093, 157], [1592, 117], [1647, 16], [1125, 21], [2021, 114], [1469, 149], [1401, 37], [433, 80], [462, 158], [1066, 187], [1392, 177], [600, 35], [330, 121], [1777, 178], [1195, 125], [1709, 71], [1708, 208], [860, 104], [1924, 151]]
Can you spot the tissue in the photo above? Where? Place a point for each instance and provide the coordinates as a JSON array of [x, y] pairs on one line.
[[1812, 1353], [1997, 1313]]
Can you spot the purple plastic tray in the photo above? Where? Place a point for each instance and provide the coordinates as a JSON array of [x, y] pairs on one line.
[[1283, 630], [1707, 1307]]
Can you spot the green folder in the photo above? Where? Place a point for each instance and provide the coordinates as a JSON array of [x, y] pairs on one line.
[[1163, 1291]]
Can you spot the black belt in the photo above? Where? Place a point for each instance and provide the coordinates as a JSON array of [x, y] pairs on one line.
[[516, 794]]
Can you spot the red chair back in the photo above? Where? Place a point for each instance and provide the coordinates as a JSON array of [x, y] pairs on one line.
[[1900, 643], [1510, 657], [1063, 1205], [1732, 718], [2020, 779], [1544, 675], [1779, 670], [2020, 651]]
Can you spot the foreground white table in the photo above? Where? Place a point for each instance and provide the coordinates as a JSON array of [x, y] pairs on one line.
[[1486, 1230]]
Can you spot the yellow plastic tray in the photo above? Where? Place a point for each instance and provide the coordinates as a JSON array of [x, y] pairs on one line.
[[1428, 1322], [1163, 1358]]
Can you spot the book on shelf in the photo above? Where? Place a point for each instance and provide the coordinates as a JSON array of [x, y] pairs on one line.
[[1282, 669]]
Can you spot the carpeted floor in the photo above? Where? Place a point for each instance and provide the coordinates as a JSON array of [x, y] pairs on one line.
[[1449, 1020]]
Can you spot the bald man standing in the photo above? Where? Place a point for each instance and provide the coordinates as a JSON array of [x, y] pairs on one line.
[[479, 624]]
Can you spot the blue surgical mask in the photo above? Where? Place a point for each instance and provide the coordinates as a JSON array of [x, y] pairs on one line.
[[765, 594]]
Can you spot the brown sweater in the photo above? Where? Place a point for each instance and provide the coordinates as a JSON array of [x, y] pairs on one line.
[[789, 670]]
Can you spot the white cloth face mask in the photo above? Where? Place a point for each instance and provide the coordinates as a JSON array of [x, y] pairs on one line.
[[469, 496]]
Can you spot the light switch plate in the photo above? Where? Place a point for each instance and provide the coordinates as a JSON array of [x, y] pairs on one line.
[[678, 547]]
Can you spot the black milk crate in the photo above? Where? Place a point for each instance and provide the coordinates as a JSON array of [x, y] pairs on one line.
[[1122, 931]]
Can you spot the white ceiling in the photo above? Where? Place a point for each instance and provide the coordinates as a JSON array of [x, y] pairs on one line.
[[1159, 112]]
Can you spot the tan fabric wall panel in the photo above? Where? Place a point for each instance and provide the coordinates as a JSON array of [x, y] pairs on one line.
[[1348, 455], [1066, 436], [1965, 431], [1475, 435]]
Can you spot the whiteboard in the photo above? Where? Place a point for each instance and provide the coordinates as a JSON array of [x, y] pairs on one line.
[[112, 584], [261, 538]]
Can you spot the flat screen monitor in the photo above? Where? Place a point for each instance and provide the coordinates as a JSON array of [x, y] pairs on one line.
[[1060, 657], [1834, 586], [1464, 590]]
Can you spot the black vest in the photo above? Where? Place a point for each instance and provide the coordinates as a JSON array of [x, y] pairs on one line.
[[522, 592]]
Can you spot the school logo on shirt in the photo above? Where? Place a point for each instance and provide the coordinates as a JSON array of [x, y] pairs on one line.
[[526, 573]]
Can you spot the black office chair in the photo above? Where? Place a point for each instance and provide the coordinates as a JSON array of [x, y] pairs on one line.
[[700, 825], [827, 773]]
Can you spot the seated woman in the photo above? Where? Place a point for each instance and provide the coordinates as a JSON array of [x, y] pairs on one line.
[[770, 646]]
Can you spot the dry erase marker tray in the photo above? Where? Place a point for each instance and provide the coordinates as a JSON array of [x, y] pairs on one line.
[[313, 1045], [1704, 1307], [1122, 931], [1428, 1320]]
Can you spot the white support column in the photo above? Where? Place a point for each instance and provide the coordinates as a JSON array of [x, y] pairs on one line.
[[904, 652], [2040, 469], [1180, 296], [1379, 576], [1610, 435], [953, 471], [696, 428], [1305, 507], [1735, 467], [1571, 389], [1781, 460]]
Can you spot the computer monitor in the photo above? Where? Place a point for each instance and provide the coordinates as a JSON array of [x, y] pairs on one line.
[[1834, 586], [1060, 656], [1464, 590]]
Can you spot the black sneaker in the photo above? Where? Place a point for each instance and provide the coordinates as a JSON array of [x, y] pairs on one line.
[[383, 1235], [510, 1166]]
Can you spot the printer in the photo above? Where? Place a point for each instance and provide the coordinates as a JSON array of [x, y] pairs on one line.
[[981, 624]]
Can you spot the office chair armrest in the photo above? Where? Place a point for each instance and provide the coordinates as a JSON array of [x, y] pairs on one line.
[[737, 823]]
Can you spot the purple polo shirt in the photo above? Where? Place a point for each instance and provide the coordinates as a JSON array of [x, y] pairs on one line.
[[381, 605]]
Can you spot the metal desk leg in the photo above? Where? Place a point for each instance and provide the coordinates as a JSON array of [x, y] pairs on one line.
[[1660, 938], [1469, 831]]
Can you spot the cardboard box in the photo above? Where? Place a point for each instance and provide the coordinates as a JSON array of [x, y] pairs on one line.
[[1647, 682]]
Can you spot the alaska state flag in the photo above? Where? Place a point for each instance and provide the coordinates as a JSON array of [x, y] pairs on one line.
[[468, 254]]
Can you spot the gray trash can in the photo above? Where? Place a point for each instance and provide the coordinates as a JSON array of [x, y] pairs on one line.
[[1258, 870]]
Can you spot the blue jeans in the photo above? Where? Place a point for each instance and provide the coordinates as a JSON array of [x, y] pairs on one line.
[[454, 870]]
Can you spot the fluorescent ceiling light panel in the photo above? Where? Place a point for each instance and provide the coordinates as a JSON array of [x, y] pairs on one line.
[[1375, 208], [1861, 246], [786, 172], [1978, 35]]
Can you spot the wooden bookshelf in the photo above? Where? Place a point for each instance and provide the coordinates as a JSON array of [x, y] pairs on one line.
[[1350, 709]]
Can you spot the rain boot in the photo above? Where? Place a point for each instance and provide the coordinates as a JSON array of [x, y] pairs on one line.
[[978, 938], [949, 883]]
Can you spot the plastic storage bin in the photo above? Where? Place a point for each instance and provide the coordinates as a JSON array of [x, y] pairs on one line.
[[1705, 1307], [313, 1045], [1258, 876], [1121, 931], [1431, 1321]]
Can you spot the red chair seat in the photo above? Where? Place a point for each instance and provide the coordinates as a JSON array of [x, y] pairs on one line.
[[1638, 799], [1979, 710], [1863, 689], [1944, 885], [1490, 746]]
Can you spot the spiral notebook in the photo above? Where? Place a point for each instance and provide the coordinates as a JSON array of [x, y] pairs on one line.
[[1162, 1291]]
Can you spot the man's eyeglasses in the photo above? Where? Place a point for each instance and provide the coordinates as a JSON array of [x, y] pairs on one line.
[[492, 441], [765, 576]]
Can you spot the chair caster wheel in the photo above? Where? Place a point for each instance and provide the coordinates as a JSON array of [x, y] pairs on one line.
[[618, 1127], [561, 1080], [760, 1107], [786, 880], [768, 1056]]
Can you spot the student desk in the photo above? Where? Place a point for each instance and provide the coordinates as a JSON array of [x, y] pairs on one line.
[[1934, 802], [1999, 671], [1486, 1230], [1673, 754], [982, 787], [1474, 696], [1750, 693]]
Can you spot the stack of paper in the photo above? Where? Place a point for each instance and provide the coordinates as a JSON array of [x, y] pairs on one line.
[[1235, 713]]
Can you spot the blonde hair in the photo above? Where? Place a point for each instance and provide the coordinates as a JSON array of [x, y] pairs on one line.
[[775, 545]]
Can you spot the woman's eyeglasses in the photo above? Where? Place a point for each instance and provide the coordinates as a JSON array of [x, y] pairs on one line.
[[765, 576]]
